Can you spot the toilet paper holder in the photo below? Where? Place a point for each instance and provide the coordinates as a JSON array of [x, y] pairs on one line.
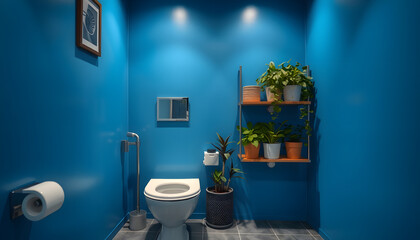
[[16, 198]]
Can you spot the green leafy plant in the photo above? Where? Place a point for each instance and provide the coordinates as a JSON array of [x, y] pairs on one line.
[[221, 184], [271, 79], [251, 135], [294, 133], [286, 74], [296, 75], [271, 134]]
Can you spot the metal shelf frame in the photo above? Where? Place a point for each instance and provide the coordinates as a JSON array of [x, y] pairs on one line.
[[241, 104]]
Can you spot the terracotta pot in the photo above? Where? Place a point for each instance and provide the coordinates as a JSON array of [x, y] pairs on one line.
[[270, 95], [251, 93], [293, 149], [252, 152]]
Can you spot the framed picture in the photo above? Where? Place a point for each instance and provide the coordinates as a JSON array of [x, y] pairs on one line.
[[88, 25]]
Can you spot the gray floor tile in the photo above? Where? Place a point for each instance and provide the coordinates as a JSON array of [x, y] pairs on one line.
[[232, 229], [136, 236], [258, 237], [219, 236], [127, 225], [196, 225], [312, 231], [289, 228], [295, 237], [248, 229], [286, 237], [303, 237], [251, 226]]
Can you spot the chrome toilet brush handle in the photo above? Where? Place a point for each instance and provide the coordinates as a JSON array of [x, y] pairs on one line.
[[131, 134], [137, 217]]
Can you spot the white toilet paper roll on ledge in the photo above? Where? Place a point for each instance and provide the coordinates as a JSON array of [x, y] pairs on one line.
[[42, 200]]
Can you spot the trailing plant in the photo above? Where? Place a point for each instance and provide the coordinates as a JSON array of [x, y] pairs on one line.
[[271, 134], [296, 75], [270, 79], [251, 135], [286, 74], [221, 184], [303, 113]]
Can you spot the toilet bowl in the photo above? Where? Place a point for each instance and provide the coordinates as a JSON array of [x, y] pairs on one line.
[[172, 201]]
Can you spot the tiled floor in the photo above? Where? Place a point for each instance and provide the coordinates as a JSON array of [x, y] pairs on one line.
[[241, 230]]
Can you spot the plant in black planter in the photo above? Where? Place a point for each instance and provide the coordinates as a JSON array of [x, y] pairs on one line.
[[219, 204]]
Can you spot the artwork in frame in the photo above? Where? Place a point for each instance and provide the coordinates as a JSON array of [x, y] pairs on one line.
[[88, 25]]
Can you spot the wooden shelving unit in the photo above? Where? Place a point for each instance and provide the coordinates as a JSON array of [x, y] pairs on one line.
[[281, 159], [268, 103]]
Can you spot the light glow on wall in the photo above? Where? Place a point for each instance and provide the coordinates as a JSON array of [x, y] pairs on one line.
[[179, 14], [249, 14]]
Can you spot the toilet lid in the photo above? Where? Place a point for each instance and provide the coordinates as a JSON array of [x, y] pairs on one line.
[[172, 189]]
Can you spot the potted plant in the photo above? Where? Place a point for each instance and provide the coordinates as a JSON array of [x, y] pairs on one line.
[[219, 198], [251, 138], [269, 82], [294, 82], [271, 135], [294, 136]]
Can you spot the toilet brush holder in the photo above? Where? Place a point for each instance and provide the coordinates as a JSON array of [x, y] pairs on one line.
[[137, 220]]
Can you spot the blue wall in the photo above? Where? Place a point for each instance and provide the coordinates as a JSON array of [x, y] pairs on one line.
[[63, 115], [364, 56], [63, 111], [200, 60]]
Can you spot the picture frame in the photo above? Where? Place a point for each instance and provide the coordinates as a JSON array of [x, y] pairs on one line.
[[89, 26]]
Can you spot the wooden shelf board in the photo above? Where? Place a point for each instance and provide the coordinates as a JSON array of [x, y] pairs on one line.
[[250, 103], [281, 159]]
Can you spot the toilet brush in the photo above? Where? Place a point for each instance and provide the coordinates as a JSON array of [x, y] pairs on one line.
[[137, 217]]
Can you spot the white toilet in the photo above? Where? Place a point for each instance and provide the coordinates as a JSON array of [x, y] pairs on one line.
[[172, 201]]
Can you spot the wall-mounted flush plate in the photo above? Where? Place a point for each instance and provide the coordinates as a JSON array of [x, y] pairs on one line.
[[173, 109]]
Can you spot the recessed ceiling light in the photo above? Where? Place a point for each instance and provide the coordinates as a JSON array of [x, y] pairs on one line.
[[249, 14]]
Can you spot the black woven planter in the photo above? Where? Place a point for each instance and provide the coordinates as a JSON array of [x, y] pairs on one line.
[[219, 209]]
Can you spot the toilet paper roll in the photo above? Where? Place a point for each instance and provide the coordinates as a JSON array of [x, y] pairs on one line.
[[42, 200]]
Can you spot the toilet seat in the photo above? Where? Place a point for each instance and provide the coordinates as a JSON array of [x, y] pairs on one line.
[[172, 189]]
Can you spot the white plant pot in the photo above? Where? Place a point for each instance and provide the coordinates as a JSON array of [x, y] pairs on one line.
[[272, 150], [292, 93], [270, 95]]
